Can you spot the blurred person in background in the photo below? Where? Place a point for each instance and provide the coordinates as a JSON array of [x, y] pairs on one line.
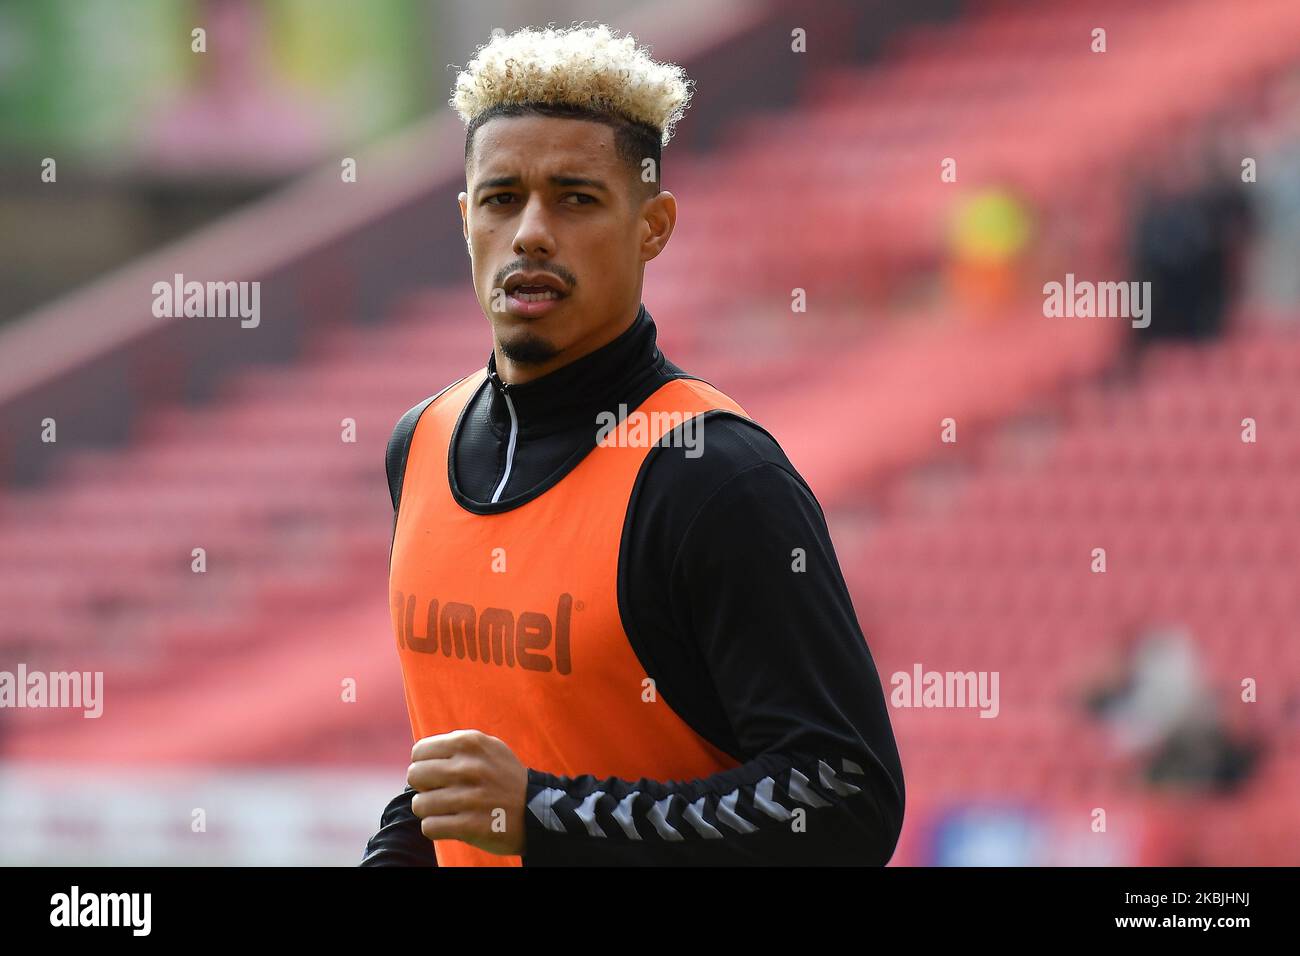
[[1188, 241], [989, 240], [1274, 276], [1160, 710]]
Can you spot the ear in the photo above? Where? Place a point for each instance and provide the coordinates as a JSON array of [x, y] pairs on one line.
[[463, 200], [658, 217]]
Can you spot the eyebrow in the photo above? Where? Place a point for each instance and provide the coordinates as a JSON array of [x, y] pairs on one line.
[[554, 181]]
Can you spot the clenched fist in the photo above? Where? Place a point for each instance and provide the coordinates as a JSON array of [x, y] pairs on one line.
[[471, 787]]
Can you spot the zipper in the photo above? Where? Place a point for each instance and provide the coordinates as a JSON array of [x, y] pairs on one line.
[[514, 433]]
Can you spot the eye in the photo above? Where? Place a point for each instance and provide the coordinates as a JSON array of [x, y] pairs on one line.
[[590, 199], [489, 200]]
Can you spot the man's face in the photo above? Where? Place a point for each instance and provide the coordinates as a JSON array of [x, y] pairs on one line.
[[550, 195]]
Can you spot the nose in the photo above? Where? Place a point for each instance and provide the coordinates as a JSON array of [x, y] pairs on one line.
[[534, 238]]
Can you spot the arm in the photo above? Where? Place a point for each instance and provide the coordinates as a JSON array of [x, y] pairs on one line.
[[798, 687], [399, 841]]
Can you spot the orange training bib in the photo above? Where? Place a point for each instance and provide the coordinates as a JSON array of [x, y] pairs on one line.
[[509, 623]]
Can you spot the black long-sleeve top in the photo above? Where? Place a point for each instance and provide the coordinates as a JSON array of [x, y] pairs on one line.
[[756, 647]]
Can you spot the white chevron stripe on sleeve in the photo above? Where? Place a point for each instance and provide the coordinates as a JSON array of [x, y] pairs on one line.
[[623, 814], [727, 814], [763, 800], [541, 808], [694, 814], [800, 790], [832, 782], [587, 813], [658, 815]]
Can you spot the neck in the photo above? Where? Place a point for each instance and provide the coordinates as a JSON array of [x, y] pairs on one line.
[[583, 385], [516, 373]]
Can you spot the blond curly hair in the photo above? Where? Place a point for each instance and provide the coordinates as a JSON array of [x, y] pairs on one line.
[[582, 67]]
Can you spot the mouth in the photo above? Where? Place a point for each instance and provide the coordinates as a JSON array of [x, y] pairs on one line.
[[530, 295], [535, 294]]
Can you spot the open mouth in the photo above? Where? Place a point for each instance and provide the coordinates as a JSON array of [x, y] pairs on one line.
[[536, 293]]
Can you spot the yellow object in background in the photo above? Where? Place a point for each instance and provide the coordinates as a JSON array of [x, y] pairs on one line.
[[990, 232], [990, 225]]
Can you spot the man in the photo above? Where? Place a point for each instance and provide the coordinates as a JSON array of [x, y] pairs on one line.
[[624, 635]]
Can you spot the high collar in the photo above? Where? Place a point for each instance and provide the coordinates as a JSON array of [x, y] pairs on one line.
[[575, 393]]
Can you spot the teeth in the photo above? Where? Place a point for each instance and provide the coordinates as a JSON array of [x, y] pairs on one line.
[[536, 296]]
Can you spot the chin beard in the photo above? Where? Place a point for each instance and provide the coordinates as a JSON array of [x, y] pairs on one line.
[[529, 349]]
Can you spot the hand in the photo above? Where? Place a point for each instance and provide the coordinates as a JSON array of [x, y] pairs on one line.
[[471, 788]]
